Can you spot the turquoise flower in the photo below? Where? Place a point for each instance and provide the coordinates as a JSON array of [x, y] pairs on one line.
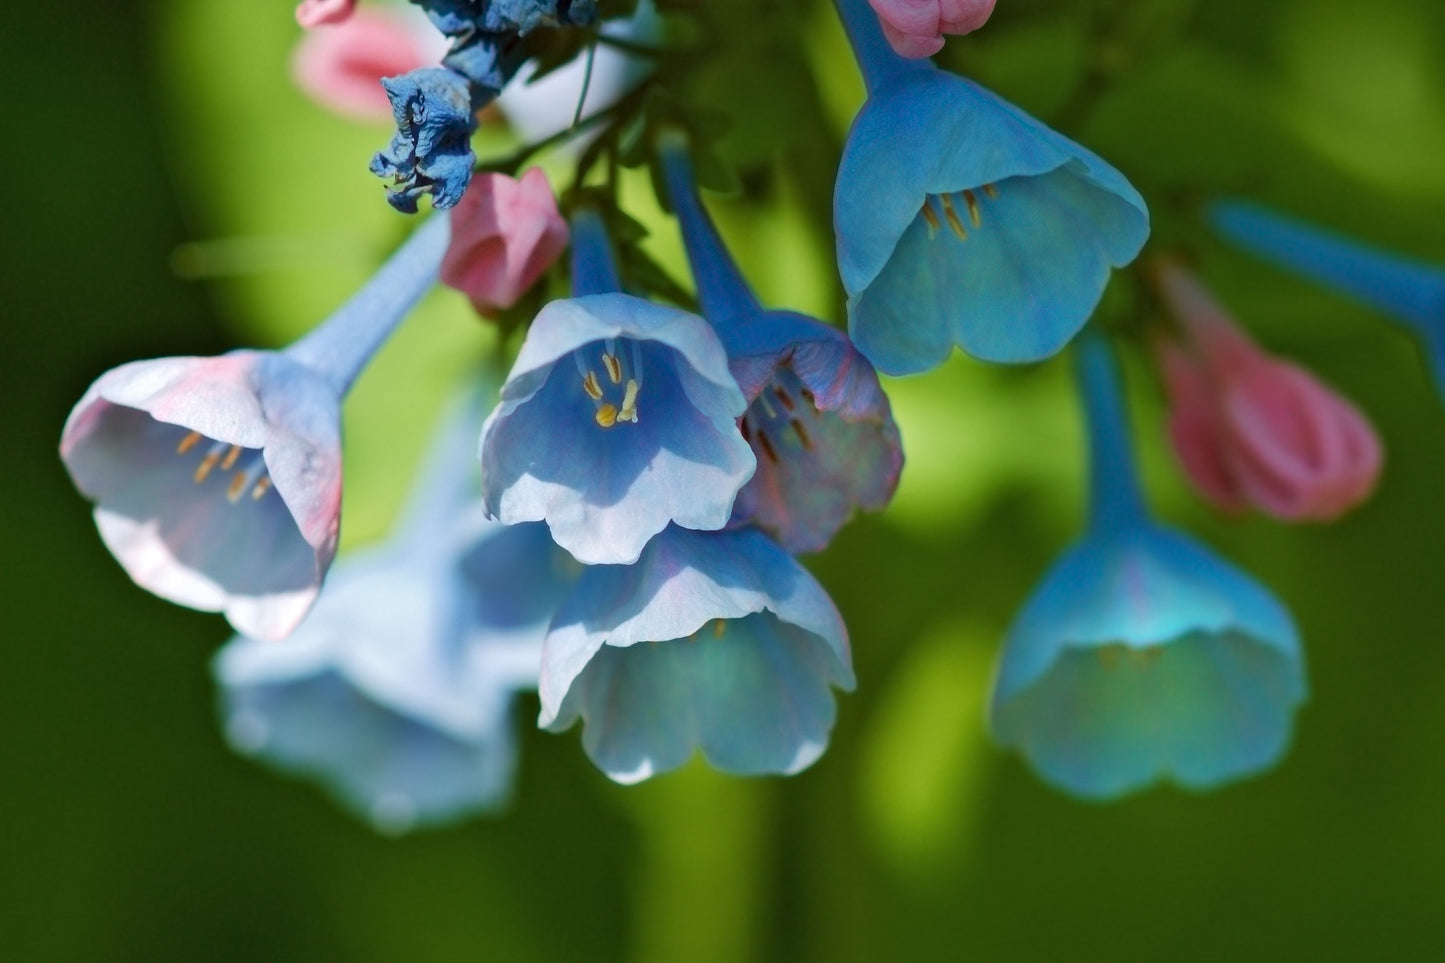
[[618, 418], [217, 481], [1142, 656], [396, 693], [716, 642], [818, 421], [962, 220], [1409, 290]]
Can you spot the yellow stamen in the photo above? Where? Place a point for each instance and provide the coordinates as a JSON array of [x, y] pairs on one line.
[[717, 628], [230, 460], [802, 434], [613, 366], [629, 402], [990, 191], [206, 465], [188, 442], [237, 486], [763, 400], [262, 487], [953, 222], [591, 386], [607, 415], [972, 202], [932, 218]]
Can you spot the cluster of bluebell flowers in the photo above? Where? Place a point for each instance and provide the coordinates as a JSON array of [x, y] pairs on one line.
[[616, 526]]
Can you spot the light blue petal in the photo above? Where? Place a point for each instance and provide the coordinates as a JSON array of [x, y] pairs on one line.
[[1029, 274], [779, 626], [605, 491]]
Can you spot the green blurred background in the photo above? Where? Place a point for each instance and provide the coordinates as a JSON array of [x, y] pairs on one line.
[[168, 144]]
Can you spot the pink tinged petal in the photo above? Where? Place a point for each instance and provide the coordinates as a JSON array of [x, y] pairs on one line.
[[506, 233], [1195, 427], [217, 481], [915, 28], [316, 13], [341, 67]]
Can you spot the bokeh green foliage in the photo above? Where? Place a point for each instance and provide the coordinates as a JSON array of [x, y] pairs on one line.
[[132, 833]]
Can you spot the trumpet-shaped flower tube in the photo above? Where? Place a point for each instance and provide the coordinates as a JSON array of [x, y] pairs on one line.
[[961, 220], [505, 235], [818, 421], [217, 481], [716, 642], [618, 417], [396, 693], [1406, 289], [1142, 656], [1251, 430]]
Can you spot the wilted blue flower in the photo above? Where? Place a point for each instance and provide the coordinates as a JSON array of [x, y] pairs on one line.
[[713, 641], [962, 220], [1142, 656], [1409, 290], [151, 443], [431, 152], [619, 416], [396, 692], [460, 18], [818, 421]]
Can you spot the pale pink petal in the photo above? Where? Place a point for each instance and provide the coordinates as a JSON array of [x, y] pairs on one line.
[[915, 28], [341, 67], [315, 13], [506, 233]]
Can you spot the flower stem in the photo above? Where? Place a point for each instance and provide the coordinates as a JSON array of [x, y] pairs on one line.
[[1410, 290], [341, 346], [876, 58], [1115, 502], [721, 289], [594, 270]]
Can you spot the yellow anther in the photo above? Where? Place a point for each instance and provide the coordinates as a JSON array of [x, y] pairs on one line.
[[629, 402], [932, 218], [607, 415], [718, 626], [230, 460], [766, 406], [592, 387], [953, 222], [262, 487], [990, 191], [188, 442], [613, 366], [206, 465], [972, 203], [237, 486]]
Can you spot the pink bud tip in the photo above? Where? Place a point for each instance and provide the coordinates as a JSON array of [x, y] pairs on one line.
[[341, 68], [316, 13], [1250, 429], [915, 28], [505, 234]]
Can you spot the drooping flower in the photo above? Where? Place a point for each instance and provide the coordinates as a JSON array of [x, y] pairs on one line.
[[217, 481], [1407, 289], [317, 13], [341, 67], [915, 28], [962, 220], [818, 421], [618, 417], [1142, 656], [505, 234], [716, 642], [396, 693], [1251, 430], [431, 152]]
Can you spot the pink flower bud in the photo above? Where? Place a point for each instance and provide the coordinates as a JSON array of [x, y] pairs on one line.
[[315, 13], [1252, 430], [505, 234], [915, 28], [341, 67]]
